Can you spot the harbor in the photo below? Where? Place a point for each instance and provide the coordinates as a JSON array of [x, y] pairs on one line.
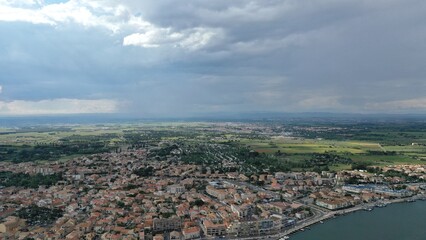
[[399, 220], [304, 228]]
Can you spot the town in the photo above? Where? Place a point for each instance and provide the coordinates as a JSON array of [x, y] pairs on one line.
[[134, 194]]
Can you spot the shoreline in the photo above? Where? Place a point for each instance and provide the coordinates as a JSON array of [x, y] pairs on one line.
[[343, 212], [331, 215]]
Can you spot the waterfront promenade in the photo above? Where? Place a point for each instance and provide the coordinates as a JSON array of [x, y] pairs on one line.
[[303, 225], [325, 215]]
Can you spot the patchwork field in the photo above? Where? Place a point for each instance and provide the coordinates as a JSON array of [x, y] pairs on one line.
[[306, 148], [302, 146], [298, 149]]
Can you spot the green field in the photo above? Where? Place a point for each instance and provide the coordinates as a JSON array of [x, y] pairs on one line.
[[333, 147], [298, 149], [301, 146]]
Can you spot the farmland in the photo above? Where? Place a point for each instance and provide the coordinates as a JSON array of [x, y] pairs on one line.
[[227, 146]]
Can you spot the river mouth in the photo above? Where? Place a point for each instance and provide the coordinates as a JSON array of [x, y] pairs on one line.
[[399, 221]]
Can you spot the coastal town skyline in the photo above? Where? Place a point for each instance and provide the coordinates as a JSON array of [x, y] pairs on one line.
[[208, 180], [212, 120]]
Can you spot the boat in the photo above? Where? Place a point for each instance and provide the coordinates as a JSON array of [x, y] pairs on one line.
[[381, 205], [321, 222]]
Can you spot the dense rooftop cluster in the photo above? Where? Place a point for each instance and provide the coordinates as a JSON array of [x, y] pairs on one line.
[[127, 195], [198, 182]]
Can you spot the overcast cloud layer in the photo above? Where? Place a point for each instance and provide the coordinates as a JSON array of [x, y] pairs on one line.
[[186, 58]]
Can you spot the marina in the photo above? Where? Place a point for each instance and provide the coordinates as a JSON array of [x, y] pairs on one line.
[[401, 221]]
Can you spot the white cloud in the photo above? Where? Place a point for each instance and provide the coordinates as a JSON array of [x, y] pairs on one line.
[[1, 88], [114, 17], [21, 2], [13, 14], [192, 39], [87, 14], [416, 103], [57, 106]]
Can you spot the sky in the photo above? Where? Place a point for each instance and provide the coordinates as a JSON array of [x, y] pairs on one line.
[[168, 58]]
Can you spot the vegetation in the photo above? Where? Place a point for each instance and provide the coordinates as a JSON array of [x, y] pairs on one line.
[[8, 179], [144, 172], [296, 146], [35, 215], [197, 202], [49, 152]]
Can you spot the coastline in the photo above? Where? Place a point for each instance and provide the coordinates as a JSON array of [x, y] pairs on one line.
[[338, 213], [310, 222]]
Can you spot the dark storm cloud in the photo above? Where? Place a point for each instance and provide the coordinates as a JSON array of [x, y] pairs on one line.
[[183, 58]]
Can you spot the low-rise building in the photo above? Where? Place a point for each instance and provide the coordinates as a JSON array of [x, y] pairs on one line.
[[175, 189], [10, 224], [191, 233], [217, 193], [333, 204], [166, 224], [213, 229]]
